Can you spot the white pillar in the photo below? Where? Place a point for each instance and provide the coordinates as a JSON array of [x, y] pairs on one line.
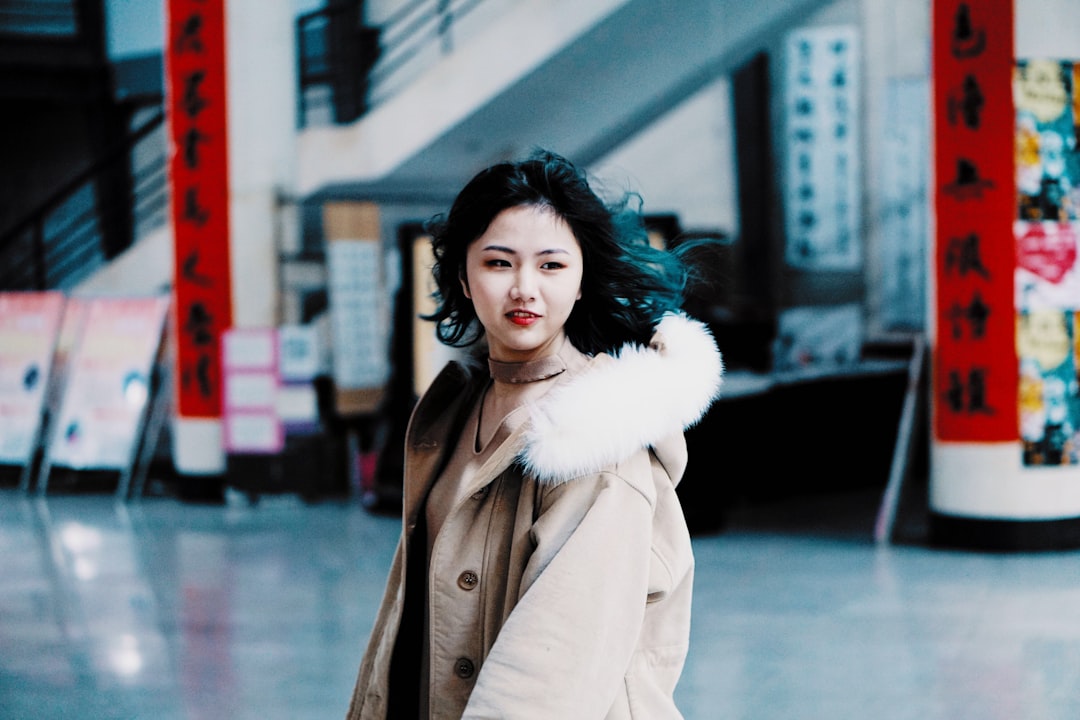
[[993, 494], [260, 67]]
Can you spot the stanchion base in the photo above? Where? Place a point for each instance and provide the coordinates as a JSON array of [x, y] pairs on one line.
[[967, 533]]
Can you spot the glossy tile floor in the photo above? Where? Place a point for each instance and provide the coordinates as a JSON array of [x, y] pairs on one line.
[[163, 609]]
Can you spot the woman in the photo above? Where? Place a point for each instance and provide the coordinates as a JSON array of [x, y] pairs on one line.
[[545, 569]]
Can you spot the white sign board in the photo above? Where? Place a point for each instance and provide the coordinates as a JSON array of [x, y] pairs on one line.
[[250, 391], [108, 383], [359, 356]]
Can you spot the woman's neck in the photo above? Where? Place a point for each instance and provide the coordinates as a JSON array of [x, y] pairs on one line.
[[514, 385]]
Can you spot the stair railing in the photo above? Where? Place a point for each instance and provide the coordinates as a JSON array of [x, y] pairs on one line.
[[49, 18], [346, 67], [88, 221]]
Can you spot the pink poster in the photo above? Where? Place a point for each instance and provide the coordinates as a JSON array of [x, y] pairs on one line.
[[29, 322]]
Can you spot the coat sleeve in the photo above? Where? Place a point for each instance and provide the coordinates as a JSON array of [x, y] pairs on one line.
[[565, 647]]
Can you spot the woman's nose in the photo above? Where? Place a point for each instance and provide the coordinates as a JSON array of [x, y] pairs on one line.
[[524, 288]]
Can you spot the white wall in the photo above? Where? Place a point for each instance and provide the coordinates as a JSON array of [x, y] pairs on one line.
[[684, 163], [134, 27]]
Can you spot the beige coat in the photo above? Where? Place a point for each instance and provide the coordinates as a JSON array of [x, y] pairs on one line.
[[560, 586]]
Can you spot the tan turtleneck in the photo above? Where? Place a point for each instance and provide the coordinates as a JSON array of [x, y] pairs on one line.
[[500, 411]]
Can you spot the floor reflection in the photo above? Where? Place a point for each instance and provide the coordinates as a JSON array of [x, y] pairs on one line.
[[162, 609]]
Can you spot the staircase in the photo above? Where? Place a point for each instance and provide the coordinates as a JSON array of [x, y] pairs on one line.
[[90, 168], [578, 76]]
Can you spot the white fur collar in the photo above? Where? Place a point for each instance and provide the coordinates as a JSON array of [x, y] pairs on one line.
[[621, 404]]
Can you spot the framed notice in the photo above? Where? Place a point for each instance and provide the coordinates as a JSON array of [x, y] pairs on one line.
[[250, 366], [355, 303], [822, 200], [29, 323], [358, 307], [108, 383]]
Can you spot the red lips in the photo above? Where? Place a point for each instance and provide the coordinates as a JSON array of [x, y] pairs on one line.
[[522, 317]]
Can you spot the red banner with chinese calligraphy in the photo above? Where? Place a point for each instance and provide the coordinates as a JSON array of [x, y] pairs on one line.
[[976, 369], [198, 165]]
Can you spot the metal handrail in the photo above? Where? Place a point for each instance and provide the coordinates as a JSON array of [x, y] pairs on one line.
[[332, 74], [72, 232], [433, 25], [41, 18]]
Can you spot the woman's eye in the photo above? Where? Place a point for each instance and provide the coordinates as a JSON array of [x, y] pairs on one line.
[[552, 266], [496, 262]]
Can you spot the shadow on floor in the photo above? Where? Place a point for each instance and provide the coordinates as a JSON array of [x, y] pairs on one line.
[[848, 514]]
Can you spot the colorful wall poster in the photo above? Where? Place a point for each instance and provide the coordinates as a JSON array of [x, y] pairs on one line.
[[29, 323], [822, 198], [1049, 400], [975, 373], [1047, 163], [1047, 280], [108, 383]]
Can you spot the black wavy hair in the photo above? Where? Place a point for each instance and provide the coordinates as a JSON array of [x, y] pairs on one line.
[[627, 285]]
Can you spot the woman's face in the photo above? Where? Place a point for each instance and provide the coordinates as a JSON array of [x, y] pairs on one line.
[[523, 276]]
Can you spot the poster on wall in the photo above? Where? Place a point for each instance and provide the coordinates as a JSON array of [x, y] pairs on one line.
[[1049, 399], [108, 383], [822, 196], [1047, 282], [29, 324], [359, 318], [976, 374], [354, 268]]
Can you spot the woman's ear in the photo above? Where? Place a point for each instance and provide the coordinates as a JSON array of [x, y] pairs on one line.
[[464, 284]]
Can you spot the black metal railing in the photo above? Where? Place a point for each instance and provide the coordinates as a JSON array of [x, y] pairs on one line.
[[92, 218], [48, 18], [341, 60], [336, 52]]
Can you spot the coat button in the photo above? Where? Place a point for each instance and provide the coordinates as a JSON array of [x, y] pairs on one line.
[[468, 580], [464, 668]]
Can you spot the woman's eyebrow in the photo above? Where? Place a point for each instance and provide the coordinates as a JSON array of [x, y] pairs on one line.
[[511, 251]]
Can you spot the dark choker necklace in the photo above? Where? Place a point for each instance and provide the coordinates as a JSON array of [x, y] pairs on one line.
[[526, 372]]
